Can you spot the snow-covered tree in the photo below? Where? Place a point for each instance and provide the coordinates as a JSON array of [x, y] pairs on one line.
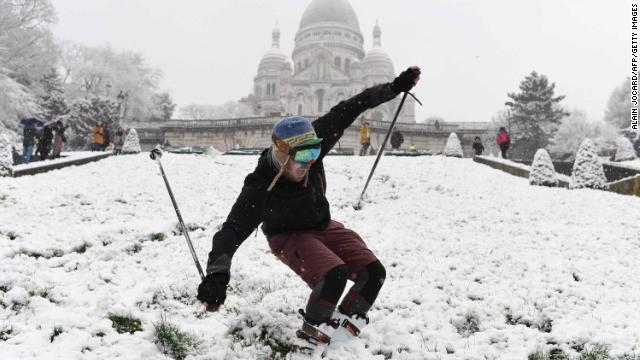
[[102, 72], [15, 102], [542, 171], [131, 143], [572, 131], [164, 106], [6, 158], [26, 40], [617, 112], [52, 99], [85, 113], [587, 169], [453, 148], [624, 149], [535, 115]]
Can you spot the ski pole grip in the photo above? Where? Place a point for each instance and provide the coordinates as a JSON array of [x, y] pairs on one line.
[[155, 154]]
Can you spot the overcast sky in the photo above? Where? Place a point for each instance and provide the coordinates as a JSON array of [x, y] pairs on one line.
[[472, 52]]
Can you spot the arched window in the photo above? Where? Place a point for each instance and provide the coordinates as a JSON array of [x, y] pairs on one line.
[[320, 95], [306, 63], [273, 89], [299, 109], [338, 62], [347, 65]]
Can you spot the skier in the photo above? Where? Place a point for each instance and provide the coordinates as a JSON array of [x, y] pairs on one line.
[[286, 193], [504, 141]]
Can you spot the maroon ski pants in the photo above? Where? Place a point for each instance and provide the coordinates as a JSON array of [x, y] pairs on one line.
[[311, 254]]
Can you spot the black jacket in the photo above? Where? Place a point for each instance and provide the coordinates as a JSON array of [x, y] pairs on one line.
[[478, 147], [289, 206]]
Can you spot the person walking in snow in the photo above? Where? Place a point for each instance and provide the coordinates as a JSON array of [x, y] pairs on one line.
[[58, 138], [477, 146], [504, 141], [28, 141], [365, 138], [286, 193], [118, 141]]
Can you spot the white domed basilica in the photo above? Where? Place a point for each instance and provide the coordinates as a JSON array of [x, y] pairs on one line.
[[329, 64]]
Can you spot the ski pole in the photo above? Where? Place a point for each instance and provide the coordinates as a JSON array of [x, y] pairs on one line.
[[358, 204], [156, 154]]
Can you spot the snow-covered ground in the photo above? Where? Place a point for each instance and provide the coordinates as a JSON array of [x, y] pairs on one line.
[[530, 266]]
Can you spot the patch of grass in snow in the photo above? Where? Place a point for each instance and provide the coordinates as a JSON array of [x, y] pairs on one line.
[[191, 227], [134, 249], [468, 324], [36, 254], [279, 348], [125, 324], [173, 341], [12, 235], [81, 249], [595, 352], [43, 293], [57, 330], [544, 324], [158, 236], [5, 333], [5, 288]]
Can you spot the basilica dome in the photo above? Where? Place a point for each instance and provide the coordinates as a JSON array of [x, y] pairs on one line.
[[330, 11], [377, 61]]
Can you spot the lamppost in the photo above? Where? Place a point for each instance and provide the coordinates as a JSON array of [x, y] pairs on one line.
[[122, 99]]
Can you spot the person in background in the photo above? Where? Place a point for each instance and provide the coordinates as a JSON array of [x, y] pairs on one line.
[[504, 141], [477, 145], [107, 137], [118, 141], [365, 138], [29, 139], [58, 138], [396, 139], [45, 141], [98, 136]]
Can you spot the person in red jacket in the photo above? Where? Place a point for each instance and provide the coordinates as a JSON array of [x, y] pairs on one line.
[[286, 193], [504, 141]]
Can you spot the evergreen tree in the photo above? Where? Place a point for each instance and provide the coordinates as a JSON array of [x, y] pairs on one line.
[[85, 113], [542, 172], [624, 150], [52, 100], [453, 148], [587, 169], [131, 143], [617, 112], [535, 115]]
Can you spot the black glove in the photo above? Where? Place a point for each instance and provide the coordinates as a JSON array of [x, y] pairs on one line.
[[406, 80], [213, 290]]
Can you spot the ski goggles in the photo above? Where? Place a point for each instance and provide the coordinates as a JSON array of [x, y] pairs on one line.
[[305, 154]]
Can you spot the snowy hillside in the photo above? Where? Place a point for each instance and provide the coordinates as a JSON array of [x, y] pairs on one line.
[[480, 265]]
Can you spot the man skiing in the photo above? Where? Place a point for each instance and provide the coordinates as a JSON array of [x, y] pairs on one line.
[[286, 193]]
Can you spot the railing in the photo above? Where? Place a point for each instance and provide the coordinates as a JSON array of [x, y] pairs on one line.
[[270, 120]]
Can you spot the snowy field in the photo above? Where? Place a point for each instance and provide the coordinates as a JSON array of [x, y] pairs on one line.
[[480, 265]]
